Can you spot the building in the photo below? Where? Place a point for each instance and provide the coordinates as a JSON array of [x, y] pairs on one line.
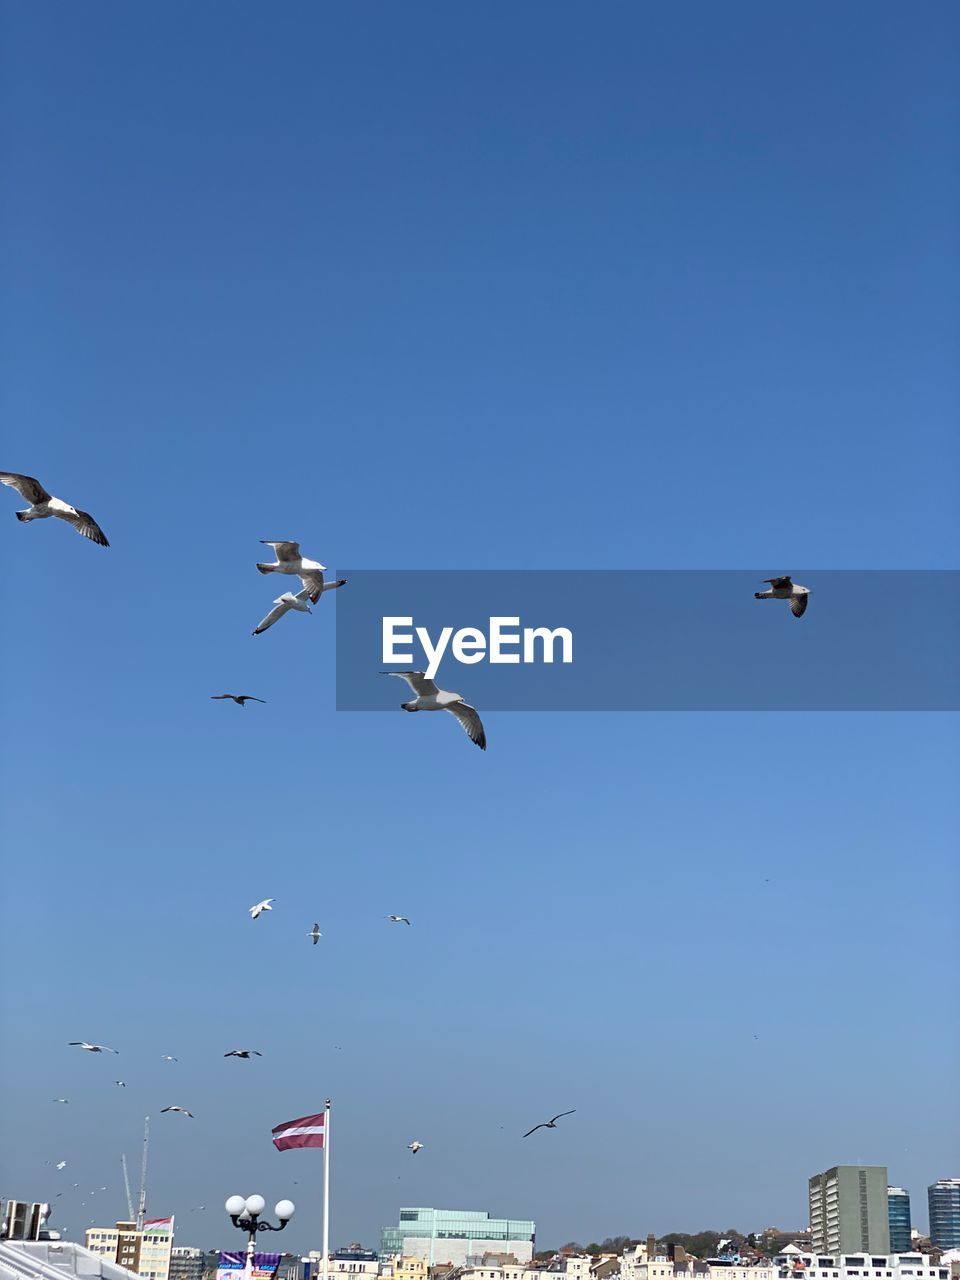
[[186, 1264], [898, 1217], [943, 1198], [858, 1266], [401, 1268], [147, 1253], [456, 1235], [848, 1210]]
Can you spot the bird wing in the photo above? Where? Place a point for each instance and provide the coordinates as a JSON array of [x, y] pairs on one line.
[[248, 697], [471, 722], [561, 1115], [534, 1129], [779, 584], [798, 605], [26, 486], [215, 696], [275, 613], [85, 525], [417, 681], [285, 550], [313, 584]]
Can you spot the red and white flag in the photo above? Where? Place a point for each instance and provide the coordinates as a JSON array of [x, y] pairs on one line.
[[305, 1132]]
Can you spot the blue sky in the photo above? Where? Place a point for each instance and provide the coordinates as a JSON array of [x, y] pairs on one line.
[[552, 286]]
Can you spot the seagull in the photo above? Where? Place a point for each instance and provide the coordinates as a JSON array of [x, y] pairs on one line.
[[43, 505], [414, 1147], [243, 1053], [121, 1083], [430, 698], [283, 604], [61, 1164], [315, 933], [398, 919], [241, 699], [260, 907], [182, 1110], [786, 589], [93, 1048], [166, 1057], [61, 1099], [310, 572], [549, 1124]]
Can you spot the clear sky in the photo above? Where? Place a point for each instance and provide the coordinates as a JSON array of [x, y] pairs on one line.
[[545, 285]]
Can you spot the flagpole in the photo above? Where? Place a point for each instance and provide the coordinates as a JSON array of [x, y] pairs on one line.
[[326, 1189]]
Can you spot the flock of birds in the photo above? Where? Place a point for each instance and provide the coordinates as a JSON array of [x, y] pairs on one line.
[[428, 696]]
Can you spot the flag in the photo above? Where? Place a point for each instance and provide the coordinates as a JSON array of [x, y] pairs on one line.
[[305, 1132], [158, 1226]]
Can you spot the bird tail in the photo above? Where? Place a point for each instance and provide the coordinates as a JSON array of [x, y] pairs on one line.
[[265, 568]]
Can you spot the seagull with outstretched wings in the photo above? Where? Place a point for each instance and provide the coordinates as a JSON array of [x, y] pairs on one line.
[[241, 699], [430, 698], [549, 1124], [43, 505], [398, 919], [310, 572], [93, 1048], [315, 933], [784, 588], [181, 1110], [243, 1053]]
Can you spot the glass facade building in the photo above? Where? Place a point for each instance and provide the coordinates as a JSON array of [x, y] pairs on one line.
[[454, 1235], [898, 1215], [943, 1198]]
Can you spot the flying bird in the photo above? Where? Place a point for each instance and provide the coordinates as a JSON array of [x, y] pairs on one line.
[[414, 1147], [61, 1164], [549, 1124], [121, 1083], [315, 933], [182, 1110], [93, 1048], [786, 589], [166, 1057], [44, 505], [310, 572], [61, 1099], [260, 907], [283, 604], [430, 698], [241, 699], [398, 919], [243, 1053]]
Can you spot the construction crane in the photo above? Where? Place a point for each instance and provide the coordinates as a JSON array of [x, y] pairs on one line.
[[142, 1206], [126, 1185]]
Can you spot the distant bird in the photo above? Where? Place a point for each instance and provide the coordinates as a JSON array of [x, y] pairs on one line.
[[167, 1057], [398, 919], [430, 698], [239, 698], [121, 1083], [61, 1099], [43, 505], [315, 933], [61, 1164], [310, 572], [93, 1048], [283, 604], [182, 1110], [549, 1124], [243, 1053], [786, 589], [414, 1147], [260, 907]]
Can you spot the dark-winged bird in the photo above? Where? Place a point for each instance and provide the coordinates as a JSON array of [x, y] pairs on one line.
[[549, 1124], [43, 505], [239, 698]]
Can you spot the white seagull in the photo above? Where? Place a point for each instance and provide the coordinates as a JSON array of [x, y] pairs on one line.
[[315, 933], [260, 907], [243, 1053], [121, 1083], [549, 1124], [310, 572], [414, 1147], [61, 1099], [93, 1048], [43, 505], [430, 698], [166, 1057], [786, 589], [182, 1110], [398, 919], [283, 604], [61, 1164]]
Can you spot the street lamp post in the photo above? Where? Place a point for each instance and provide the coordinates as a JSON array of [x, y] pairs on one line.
[[245, 1213]]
